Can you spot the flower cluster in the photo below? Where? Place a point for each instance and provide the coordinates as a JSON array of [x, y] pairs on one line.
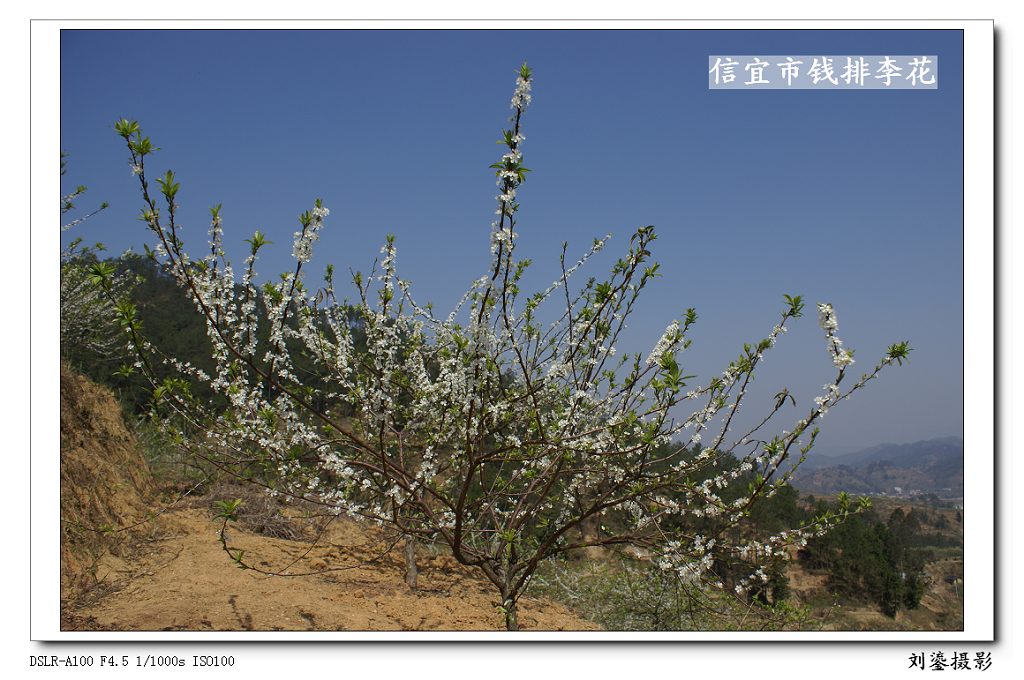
[[521, 97], [312, 221], [841, 357]]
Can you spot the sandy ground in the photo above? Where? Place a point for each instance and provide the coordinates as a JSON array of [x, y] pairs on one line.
[[180, 579], [124, 569]]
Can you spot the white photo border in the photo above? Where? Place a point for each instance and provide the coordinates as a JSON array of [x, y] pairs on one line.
[[979, 333]]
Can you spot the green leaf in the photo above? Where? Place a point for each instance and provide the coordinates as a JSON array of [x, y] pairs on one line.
[[899, 352], [100, 273], [228, 509], [126, 128], [796, 305], [168, 187]]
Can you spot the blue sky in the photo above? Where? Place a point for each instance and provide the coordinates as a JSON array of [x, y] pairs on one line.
[[850, 197]]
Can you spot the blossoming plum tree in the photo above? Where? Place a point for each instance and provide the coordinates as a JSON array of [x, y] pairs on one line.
[[86, 312], [509, 430]]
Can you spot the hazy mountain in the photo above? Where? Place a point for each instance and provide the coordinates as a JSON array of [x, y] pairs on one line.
[[931, 466]]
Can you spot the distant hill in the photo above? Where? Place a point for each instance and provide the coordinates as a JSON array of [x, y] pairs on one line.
[[931, 466]]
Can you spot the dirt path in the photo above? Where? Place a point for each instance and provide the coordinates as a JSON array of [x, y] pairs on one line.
[[181, 579]]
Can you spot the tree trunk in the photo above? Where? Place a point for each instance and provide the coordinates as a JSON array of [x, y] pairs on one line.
[[410, 562], [511, 615]]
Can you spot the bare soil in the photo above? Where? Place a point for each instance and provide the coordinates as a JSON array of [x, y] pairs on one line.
[[182, 579], [124, 569]]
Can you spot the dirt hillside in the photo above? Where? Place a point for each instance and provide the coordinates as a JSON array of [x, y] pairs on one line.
[[941, 606], [105, 485], [171, 572]]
